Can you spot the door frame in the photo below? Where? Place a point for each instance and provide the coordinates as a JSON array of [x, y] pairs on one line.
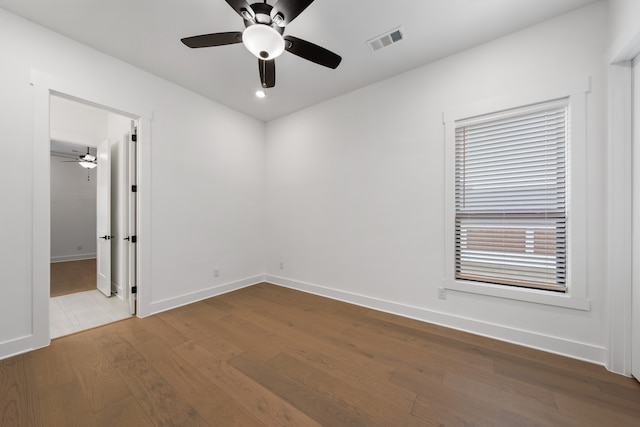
[[620, 222], [635, 222], [103, 218], [105, 97]]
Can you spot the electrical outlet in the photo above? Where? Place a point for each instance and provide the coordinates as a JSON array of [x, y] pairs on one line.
[[282, 266], [442, 293], [216, 272]]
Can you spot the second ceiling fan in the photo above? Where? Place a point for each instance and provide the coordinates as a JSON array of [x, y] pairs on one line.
[[263, 36]]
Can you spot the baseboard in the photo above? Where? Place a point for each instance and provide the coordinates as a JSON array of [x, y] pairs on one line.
[[79, 257], [564, 347], [19, 346], [117, 290], [175, 302]]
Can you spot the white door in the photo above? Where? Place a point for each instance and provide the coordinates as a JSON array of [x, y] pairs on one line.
[[131, 217], [103, 218], [635, 273]]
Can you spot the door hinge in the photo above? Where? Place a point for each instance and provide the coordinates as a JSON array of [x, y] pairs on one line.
[[134, 239], [134, 289], [134, 137], [134, 188]]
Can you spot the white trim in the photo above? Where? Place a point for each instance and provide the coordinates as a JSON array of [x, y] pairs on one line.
[[521, 294], [67, 258], [144, 272], [556, 345], [44, 86], [185, 299], [619, 214], [620, 143], [117, 291], [575, 90], [18, 346], [41, 218]]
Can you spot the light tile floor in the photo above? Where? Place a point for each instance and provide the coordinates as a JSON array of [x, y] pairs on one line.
[[84, 310]]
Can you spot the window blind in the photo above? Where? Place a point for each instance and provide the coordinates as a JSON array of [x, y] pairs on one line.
[[510, 197]]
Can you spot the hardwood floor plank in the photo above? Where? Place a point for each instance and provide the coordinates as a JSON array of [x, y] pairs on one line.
[[567, 383], [52, 366], [124, 413], [285, 323], [66, 405], [19, 404], [325, 410], [350, 394], [267, 355], [72, 276], [530, 392], [161, 401], [536, 409], [256, 399], [453, 408], [597, 412], [163, 330], [318, 353], [211, 402], [100, 382]]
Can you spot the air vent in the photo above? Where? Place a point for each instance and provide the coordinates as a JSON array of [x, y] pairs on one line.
[[386, 39]]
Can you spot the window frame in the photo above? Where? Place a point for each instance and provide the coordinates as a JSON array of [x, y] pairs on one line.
[[575, 296], [516, 235]]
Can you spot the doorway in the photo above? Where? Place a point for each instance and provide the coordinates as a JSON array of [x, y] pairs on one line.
[[93, 165]]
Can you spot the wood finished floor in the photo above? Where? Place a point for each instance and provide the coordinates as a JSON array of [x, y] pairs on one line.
[[270, 356], [72, 276]]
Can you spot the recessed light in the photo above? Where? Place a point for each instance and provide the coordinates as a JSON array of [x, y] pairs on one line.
[[260, 93]]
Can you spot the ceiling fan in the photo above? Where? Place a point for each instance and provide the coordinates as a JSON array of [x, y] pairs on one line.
[[263, 36], [87, 161]]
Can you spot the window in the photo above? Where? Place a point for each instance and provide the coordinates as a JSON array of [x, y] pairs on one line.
[[510, 197]]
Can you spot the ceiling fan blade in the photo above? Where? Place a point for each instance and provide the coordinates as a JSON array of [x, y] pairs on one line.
[[215, 39], [64, 156], [290, 9], [267, 73], [312, 52], [239, 5]]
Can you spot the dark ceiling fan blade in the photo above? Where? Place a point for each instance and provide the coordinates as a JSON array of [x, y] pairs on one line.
[[312, 52], [215, 39], [267, 73], [290, 9], [239, 5]]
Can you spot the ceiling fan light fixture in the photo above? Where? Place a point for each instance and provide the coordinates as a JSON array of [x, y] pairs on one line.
[[263, 41], [87, 164]]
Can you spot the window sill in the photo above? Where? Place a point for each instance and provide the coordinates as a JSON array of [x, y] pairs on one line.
[[520, 294]]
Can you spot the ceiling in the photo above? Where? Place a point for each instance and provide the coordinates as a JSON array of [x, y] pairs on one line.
[[147, 33], [70, 151]]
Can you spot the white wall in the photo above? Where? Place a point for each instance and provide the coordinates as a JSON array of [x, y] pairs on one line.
[[203, 179], [73, 211], [624, 29], [77, 123], [355, 187]]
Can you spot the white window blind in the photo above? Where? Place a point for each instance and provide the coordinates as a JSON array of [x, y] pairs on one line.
[[510, 197]]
